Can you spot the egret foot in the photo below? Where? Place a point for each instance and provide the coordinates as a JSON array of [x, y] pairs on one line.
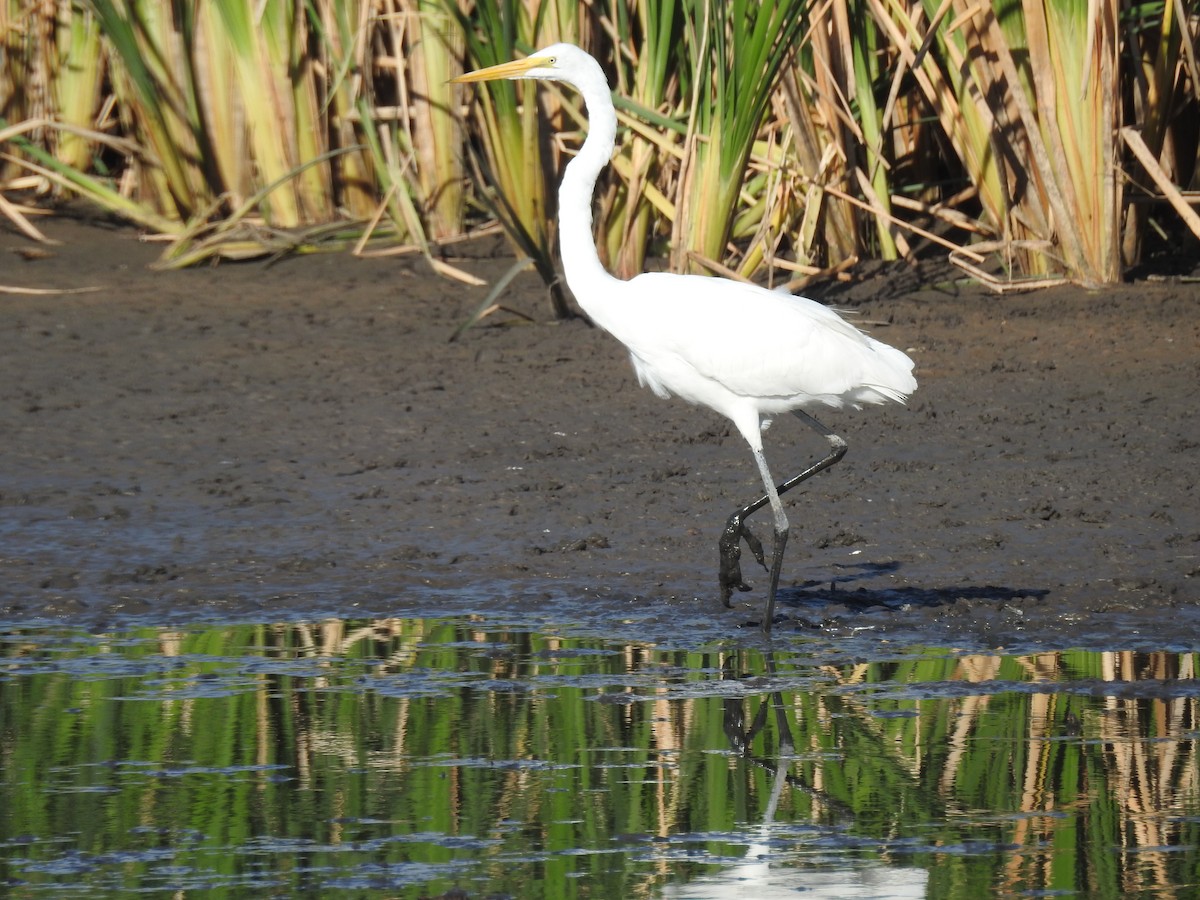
[[781, 536], [730, 573]]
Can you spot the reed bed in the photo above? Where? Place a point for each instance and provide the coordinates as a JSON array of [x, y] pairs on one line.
[[1030, 143]]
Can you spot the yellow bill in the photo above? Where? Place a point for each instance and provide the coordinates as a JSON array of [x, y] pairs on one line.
[[514, 69]]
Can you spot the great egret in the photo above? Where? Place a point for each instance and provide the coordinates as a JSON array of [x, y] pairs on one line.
[[741, 350]]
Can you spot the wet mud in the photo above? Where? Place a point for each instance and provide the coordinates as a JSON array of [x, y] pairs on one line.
[[273, 441]]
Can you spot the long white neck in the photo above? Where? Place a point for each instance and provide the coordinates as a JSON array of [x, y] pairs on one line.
[[586, 276]]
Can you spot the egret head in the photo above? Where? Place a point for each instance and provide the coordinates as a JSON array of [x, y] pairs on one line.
[[558, 62]]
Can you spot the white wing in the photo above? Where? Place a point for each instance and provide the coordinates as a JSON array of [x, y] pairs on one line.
[[693, 336]]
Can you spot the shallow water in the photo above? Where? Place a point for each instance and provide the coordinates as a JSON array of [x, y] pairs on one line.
[[413, 757]]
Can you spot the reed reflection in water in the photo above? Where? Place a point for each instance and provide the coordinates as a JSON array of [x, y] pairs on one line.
[[411, 757]]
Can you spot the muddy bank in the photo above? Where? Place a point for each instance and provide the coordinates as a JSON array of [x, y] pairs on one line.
[[300, 438]]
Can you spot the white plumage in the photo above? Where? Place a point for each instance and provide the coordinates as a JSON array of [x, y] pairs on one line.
[[741, 350], [781, 351]]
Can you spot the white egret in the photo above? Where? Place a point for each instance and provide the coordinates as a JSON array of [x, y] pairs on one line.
[[744, 351]]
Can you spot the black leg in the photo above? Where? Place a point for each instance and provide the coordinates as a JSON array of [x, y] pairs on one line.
[[730, 571]]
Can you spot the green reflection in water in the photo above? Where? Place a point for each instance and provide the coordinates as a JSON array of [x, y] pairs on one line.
[[407, 758]]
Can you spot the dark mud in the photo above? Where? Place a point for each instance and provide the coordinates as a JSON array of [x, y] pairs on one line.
[[295, 439]]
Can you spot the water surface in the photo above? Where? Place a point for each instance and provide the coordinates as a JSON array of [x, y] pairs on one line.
[[414, 757]]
